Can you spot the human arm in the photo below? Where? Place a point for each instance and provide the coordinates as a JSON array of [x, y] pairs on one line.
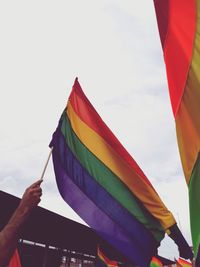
[[11, 232]]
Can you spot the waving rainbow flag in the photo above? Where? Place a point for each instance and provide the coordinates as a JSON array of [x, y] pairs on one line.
[[104, 185], [104, 261], [179, 28], [156, 262], [184, 263], [15, 260]]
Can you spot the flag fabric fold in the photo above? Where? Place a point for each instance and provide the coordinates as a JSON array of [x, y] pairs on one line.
[[179, 28], [98, 178]]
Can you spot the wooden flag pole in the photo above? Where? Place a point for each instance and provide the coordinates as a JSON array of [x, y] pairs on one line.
[[41, 178]]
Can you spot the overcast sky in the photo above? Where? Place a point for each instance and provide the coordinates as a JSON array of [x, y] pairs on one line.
[[113, 47]]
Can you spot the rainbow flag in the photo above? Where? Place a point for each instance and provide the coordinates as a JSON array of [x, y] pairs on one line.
[[183, 263], [15, 260], [179, 28], [104, 261], [156, 262], [104, 185]]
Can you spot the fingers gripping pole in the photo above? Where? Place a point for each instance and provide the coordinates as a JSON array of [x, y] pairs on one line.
[[41, 178]]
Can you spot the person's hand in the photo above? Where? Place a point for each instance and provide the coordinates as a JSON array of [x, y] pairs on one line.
[[11, 232], [31, 196], [184, 249]]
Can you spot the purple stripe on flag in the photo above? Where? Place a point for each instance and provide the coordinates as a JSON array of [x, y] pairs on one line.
[[101, 198], [98, 220]]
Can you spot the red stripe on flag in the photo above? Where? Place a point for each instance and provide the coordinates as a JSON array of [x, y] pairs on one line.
[[177, 33], [15, 260], [88, 114]]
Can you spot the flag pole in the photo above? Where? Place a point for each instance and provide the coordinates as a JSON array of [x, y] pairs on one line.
[[45, 166]]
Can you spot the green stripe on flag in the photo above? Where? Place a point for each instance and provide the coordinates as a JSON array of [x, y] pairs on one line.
[[109, 181], [194, 201]]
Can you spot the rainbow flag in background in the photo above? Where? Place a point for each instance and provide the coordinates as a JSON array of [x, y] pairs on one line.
[[183, 263], [15, 260], [104, 261], [156, 262], [179, 28], [104, 185]]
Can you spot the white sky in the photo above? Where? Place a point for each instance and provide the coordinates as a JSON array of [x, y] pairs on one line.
[[114, 48]]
